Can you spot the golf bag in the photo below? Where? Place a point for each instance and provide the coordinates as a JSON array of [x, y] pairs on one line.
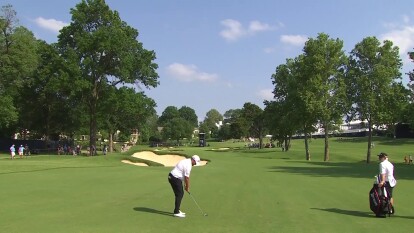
[[379, 201]]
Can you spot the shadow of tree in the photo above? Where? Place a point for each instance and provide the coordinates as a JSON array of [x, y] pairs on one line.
[[340, 169], [153, 211], [51, 168]]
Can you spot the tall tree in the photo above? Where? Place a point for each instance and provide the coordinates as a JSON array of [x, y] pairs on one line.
[[107, 51], [48, 102], [253, 115], [212, 118], [189, 115], [280, 118], [237, 125], [124, 109], [324, 66], [291, 93], [169, 113], [18, 59], [374, 68], [176, 129]]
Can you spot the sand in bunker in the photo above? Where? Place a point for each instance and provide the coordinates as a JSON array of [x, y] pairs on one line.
[[166, 160], [136, 164]]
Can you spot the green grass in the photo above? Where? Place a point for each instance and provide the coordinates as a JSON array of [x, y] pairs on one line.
[[242, 190]]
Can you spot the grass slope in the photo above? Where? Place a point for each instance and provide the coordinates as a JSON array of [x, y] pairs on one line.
[[242, 190]]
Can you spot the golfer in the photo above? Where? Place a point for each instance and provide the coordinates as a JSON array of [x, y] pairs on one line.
[[386, 170], [180, 173]]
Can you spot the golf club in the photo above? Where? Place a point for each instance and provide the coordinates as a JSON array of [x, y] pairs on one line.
[[192, 197]]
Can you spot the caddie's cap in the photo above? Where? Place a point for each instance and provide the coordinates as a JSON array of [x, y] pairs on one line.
[[382, 155]]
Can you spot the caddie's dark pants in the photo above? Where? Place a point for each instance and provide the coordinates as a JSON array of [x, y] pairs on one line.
[[177, 186]]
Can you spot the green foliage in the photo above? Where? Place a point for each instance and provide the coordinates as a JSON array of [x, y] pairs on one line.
[[168, 114], [189, 114], [107, 52], [373, 72], [8, 113], [176, 129]]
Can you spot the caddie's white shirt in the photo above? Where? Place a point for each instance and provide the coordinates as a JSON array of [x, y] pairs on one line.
[[183, 168], [388, 169]]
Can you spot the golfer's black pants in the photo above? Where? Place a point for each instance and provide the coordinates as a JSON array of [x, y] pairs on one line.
[[177, 186]]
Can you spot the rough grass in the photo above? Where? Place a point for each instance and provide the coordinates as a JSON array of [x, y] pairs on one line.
[[242, 190]]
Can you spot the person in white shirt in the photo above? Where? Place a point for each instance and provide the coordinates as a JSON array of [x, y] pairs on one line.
[[387, 180], [180, 173]]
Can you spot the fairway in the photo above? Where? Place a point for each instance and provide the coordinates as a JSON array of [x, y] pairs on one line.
[[242, 190]]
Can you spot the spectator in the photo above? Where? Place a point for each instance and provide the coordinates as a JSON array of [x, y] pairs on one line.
[[26, 150], [21, 151], [12, 151]]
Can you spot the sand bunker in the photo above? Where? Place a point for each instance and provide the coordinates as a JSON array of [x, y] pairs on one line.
[[223, 148], [166, 160], [136, 164]]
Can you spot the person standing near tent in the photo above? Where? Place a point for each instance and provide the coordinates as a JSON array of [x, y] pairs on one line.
[[386, 171], [180, 173]]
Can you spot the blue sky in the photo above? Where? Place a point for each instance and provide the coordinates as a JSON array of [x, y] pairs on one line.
[[221, 53]]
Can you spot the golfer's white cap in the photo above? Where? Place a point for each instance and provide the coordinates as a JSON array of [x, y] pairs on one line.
[[196, 158]]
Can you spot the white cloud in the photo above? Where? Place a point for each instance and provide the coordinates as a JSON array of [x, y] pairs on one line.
[[266, 94], [401, 36], [234, 30], [189, 73], [269, 50], [256, 26], [295, 40], [50, 24]]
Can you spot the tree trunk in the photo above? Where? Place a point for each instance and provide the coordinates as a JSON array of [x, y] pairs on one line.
[[308, 156], [111, 142], [92, 133], [369, 142], [326, 158]]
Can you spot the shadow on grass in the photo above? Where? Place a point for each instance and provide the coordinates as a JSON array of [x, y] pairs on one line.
[[356, 213], [330, 169], [152, 211], [347, 212], [340, 169], [52, 168]]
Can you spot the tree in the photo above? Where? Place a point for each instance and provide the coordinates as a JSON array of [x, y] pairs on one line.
[[237, 125], [189, 115], [48, 102], [279, 119], [18, 59], [409, 110], [8, 113], [253, 116], [212, 118], [169, 113], [124, 110], [324, 66], [373, 71], [107, 52], [176, 129], [291, 94]]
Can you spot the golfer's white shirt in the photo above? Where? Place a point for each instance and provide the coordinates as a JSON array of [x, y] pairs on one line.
[[388, 169], [183, 168]]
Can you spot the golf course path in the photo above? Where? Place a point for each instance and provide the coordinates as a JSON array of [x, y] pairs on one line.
[[166, 160]]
